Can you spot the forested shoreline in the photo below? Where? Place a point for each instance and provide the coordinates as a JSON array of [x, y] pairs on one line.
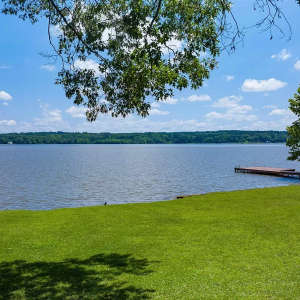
[[224, 136]]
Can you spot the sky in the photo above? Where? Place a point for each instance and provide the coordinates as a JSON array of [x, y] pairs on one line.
[[248, 91]]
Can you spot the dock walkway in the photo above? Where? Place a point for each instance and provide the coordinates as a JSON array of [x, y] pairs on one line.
[[268, 171]]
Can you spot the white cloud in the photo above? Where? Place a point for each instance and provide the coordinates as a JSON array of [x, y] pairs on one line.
[[170, 100], [229, 77], [105, 123], [282, 55], [297, 65], [254, 85], [280, 112], [76, 111], [5, 96], [54, 115], [270, 106], [50, 120], [198, 98], [233, 110], [155, 104], [241, 109], [158, 112], [48, 116], [227, 102], [267, 125], [8, 123], [135, 124], [284, 118], [88, 64], [49, 68], [230, 116], [214, 115]]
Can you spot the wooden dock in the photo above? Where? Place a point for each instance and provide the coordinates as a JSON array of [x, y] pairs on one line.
[[269, 171]]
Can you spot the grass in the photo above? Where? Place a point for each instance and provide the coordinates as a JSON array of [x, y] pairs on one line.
[[233, 245]]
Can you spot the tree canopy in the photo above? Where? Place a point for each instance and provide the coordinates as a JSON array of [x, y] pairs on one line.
[[117, 56], [293, 140], [223, 136]]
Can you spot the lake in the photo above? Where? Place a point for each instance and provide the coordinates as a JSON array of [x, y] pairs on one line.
[[55, 176]]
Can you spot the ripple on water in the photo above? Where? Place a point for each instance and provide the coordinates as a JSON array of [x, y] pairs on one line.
[[53, 176]]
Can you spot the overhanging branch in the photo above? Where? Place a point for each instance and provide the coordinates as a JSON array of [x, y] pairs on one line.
[[155, 15], [73, 29]]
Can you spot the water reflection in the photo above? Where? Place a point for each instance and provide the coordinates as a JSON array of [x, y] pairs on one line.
[[52, 176]]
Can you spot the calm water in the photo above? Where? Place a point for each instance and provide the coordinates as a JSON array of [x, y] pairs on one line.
[[53, 176]]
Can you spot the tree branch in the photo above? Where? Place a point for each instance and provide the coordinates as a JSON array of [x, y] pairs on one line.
[[155, 15], [75, 31]]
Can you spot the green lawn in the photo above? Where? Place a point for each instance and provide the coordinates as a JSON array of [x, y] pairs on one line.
[[234, 245]]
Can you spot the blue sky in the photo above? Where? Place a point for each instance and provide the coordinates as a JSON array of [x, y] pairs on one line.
[[248, 91]]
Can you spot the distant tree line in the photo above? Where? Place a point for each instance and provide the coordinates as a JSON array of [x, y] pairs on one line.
[[224, 136]]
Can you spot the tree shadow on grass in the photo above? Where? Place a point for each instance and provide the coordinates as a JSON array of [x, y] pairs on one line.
[[94, 278]]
